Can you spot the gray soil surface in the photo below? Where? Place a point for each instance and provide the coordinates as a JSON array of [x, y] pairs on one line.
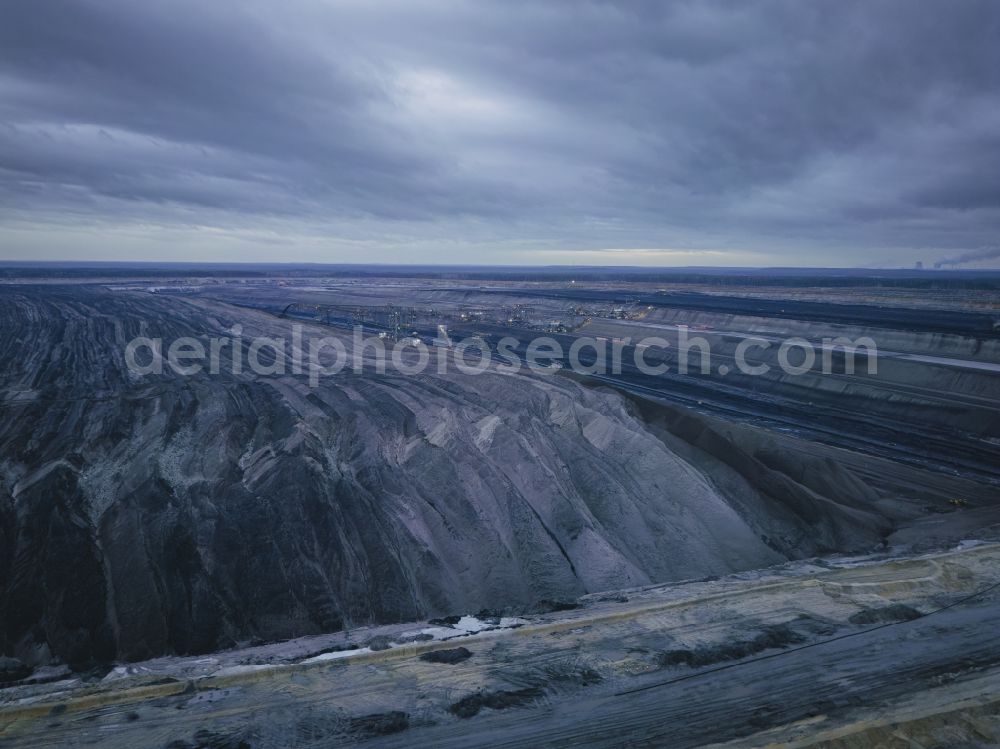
[[169, 514], [161, 514]]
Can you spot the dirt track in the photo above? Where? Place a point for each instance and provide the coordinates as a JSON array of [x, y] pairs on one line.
[[773, 664]]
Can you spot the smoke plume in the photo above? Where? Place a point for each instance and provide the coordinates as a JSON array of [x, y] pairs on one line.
[[969, 257]]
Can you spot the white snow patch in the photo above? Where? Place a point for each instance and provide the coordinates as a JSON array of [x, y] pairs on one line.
[[467, 626], [120, 672], [442, 431], [600, 432], [470, 625], [487, 427], [336, 655], [244, 669]]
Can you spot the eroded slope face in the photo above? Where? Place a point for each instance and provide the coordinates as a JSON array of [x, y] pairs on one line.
[[141, 516]]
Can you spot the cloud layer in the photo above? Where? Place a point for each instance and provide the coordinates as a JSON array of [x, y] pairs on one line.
[[824, 133]]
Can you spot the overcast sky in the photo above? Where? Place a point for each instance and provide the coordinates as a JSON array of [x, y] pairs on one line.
[[654, 133]]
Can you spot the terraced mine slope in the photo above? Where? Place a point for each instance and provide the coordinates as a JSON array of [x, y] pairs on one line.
[[164, 514]]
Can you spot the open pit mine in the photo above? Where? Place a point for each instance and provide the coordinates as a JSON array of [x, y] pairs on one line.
[[729, 545]]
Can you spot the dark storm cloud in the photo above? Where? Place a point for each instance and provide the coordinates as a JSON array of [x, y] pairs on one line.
[[781, 125]]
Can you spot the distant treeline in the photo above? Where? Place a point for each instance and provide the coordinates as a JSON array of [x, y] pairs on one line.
[[117, 272], [783, 277]]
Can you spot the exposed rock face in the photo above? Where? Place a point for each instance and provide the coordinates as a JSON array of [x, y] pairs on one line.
[[140, 516]]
